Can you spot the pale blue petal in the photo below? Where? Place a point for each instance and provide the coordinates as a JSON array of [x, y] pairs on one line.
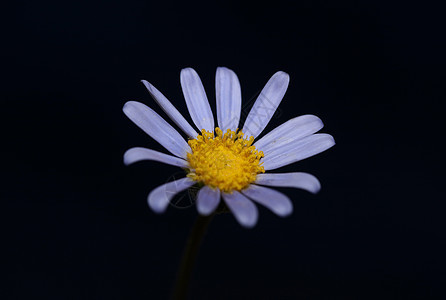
[[138, 154], [196, 100], [170, 110], [277, 202], [297, 150], [207, 200], [229, 99], [245, 212], [155, 126], [289, 131], [266, 104], [298, 180], [160, 197]]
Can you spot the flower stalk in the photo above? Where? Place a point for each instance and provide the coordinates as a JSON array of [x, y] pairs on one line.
[[189, 257]]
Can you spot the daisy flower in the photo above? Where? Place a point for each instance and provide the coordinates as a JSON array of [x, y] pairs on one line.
[[225, 162]]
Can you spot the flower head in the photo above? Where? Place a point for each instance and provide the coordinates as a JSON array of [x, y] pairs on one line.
[[228, 162]]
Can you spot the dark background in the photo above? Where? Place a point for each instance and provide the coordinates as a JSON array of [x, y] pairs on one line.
[[77, 225]]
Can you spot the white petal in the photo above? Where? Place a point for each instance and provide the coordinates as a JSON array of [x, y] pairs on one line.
[[298, 150], [207, 200], [196, 100], [137, 154], [277, 202], [156, 127], [170, 110], [289, 131], [298, 180], [243, 209], [229, 99], [266, 104], [160, 197]]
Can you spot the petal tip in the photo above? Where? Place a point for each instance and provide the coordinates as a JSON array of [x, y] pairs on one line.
[[127, 106], [248, 224], [151, 89], [224, 69], [314, 185], [125, 158], [316, 189], [155, 206], [251, 221], [285, 76], [286, 212], [186, 71], [146, 84], [318, 120], [131, 107], [203, 212]]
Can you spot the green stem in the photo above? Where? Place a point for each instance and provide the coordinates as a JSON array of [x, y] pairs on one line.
[[189, 256]]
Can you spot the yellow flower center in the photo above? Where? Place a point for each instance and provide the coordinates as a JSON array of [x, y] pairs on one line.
[[225, 161]]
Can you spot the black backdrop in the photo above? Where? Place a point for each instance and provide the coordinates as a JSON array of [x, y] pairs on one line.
[[77, 225]]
